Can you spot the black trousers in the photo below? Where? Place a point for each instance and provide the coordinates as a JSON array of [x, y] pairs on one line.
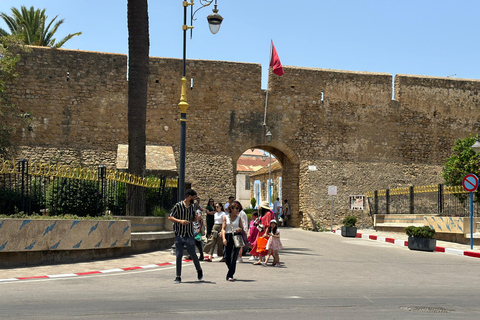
[[230, 254], [198, 243]]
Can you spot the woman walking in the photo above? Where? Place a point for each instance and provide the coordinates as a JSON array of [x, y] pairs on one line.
[[216, 235], [232, 224]]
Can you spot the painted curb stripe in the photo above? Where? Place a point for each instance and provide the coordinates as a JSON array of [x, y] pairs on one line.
[[472, 254], [66, 275], [28, 278]]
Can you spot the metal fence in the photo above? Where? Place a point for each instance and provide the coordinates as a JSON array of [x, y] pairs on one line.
[[433, 199], [55, 189]]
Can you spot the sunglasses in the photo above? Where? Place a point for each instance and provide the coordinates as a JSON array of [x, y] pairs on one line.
[[235, 208]]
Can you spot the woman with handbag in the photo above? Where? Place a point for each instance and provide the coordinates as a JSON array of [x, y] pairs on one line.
[[216, 235], [232, 239], [244, 218]]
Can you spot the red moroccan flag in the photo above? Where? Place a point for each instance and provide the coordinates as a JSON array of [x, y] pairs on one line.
[[275, 62]]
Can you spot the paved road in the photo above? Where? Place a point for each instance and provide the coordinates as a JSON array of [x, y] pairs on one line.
[[324, 276]]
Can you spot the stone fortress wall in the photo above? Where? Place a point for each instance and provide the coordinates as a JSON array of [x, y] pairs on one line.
[[344, 123]]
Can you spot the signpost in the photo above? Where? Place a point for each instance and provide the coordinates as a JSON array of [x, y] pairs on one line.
[[470, 184], [357, 202], [332, 191]]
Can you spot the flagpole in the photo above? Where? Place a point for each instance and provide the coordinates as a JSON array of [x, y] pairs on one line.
[[266, 95]]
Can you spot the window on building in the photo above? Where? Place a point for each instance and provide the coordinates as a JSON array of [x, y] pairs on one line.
[[247, 182]]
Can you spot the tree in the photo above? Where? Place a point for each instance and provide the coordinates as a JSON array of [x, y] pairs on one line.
[[10, 115], [462, 162], [138, 69], [32, 26]]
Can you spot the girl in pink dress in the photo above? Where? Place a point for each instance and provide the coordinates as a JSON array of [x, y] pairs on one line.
[[274, 244]]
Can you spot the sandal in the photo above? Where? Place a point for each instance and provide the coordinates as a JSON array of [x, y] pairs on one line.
[[258, 263]]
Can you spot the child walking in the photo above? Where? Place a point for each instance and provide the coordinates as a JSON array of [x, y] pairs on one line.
[[273, 245]]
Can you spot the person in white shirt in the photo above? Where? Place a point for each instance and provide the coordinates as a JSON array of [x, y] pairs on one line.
[[244, 218], [215, 236], [277, 208], [231, 224]]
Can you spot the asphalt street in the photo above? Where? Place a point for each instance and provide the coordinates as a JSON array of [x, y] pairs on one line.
[[323, 276]]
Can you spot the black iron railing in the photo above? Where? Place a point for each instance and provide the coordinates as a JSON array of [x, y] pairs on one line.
[[433, 199], [55, 189]]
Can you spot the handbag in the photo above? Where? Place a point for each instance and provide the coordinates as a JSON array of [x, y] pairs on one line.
[[237, 237], [261, 245], [238, 240]]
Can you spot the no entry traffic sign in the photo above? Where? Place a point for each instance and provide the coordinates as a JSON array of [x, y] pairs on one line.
[[470, 182]]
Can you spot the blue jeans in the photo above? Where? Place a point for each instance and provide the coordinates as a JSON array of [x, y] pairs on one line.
[[189, 242]]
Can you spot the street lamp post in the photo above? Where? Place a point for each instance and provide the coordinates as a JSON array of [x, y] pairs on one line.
[[214, 21], [268, 136], [476, 146]]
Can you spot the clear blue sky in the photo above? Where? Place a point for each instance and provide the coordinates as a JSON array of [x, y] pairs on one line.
[[422, 37]]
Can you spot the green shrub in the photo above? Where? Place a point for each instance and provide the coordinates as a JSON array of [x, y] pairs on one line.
[[253, 202], [76, 197], [349, 221], [159, 212], [420, 232], [10, 200]]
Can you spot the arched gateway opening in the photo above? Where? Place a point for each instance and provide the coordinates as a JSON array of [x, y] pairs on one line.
[[290, 173]]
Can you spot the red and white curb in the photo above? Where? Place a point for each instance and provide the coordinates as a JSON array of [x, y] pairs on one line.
[[404, 243], [79, 274]]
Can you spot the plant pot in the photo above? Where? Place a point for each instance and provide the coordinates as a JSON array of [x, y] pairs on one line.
[[422, 244], [349, 231]]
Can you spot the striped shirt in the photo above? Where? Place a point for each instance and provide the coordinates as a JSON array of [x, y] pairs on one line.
[[182, 212]]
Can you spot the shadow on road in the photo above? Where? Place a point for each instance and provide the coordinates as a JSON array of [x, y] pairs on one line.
[[300, 251]]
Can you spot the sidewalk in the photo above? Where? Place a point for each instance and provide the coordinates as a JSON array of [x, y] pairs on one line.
[[401, 239], [137, 261]]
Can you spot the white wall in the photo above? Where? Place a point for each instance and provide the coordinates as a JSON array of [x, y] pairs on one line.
[[242, 195]]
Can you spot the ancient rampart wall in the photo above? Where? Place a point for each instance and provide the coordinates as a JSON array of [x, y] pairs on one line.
[[345, 123]]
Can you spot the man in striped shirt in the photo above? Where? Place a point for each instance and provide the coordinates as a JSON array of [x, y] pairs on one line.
[[183, 215]]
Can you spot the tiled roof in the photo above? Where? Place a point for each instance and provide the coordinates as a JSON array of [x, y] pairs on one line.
[[249, 163], [275, 166]]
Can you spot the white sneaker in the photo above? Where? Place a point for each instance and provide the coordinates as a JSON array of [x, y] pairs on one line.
[[239, 259], [252, 258]]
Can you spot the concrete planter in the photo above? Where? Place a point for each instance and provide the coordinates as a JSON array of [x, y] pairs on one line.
[[25, 235], [349, 232], [422, 244]]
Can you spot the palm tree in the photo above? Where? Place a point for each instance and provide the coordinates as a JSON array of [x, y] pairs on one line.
[[31, 24], [138, 69]]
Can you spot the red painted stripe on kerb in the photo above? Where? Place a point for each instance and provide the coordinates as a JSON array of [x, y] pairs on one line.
[[471, 254], [164, 264], [440, 249], [131, 268], [37, 277], [391, 240], [359, 235], [372, 237], [87, 273]]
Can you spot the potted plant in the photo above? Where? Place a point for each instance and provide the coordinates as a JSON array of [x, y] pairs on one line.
[[348, 228], [421, 238]]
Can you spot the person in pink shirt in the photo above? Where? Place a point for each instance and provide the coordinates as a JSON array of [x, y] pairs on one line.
[[253, 232], [266, 215]]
